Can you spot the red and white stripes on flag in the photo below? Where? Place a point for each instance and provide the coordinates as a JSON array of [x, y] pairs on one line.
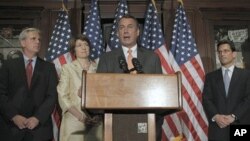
[[61, 60], [164, 57], [59, 53], [191, 123], [56, 121]]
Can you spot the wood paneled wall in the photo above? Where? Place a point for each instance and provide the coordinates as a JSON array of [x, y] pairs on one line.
[[41, 14]]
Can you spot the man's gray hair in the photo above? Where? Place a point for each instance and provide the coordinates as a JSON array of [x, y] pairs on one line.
[[23, 34]]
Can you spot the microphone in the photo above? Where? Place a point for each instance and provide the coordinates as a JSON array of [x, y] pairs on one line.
[[123, 64], [137, 65]]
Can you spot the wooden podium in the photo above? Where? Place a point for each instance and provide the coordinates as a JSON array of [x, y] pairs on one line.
[[146, 94]]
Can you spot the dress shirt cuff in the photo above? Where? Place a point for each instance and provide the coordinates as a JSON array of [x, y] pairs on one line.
[[233, 115], [213, 118]]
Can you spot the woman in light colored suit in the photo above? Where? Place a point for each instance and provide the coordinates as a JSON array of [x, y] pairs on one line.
[[74, 125]]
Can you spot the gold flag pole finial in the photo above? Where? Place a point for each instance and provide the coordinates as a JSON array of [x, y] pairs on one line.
[[153, 2], [64, 7], [181, 2]]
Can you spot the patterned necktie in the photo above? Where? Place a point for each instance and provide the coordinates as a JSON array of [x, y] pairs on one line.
[[29, 71], [129, 59], [226, 81]]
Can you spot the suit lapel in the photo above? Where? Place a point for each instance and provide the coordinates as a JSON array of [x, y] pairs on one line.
[[20, 64], [76, 66], [36, 72], [234, 79], [220, 84], [140, 56], [117, 54]]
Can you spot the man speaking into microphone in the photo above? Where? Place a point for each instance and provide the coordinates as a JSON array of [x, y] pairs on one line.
[[110, 62], [128, 33]]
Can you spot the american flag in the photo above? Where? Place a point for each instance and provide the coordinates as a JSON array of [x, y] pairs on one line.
[[58, 53], [93, 31], [121, 10], [184, 57], [152, 37], [179, 124]]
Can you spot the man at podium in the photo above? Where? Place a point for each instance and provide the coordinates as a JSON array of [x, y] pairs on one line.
[[130, 58]]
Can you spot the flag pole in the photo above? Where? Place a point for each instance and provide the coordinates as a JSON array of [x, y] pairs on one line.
[[181, 2], [153, 2], [64, 7]]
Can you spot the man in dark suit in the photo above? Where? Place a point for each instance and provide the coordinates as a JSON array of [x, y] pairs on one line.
[[226, 94], [27, 93], [128, 33]]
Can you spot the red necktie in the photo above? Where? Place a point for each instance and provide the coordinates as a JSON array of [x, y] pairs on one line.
[[29, 71]]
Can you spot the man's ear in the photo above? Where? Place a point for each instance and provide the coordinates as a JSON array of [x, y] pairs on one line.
[[138, 31], [22, 42], [116, 32], [234, 54]]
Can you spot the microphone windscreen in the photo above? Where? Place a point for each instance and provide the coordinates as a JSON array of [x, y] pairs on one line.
[[123, 64], [137, 65], [136, 62]]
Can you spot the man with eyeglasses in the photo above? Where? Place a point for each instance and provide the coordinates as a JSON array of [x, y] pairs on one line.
[[226, 94]]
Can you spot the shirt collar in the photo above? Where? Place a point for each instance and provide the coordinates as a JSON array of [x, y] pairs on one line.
[[231, 68], [125, 49], [26, 59]]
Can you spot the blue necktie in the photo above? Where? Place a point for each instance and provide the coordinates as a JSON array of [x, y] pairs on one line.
[[226, 80]]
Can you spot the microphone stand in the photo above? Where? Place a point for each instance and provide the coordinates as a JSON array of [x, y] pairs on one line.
[[137, 71], [133, 69]]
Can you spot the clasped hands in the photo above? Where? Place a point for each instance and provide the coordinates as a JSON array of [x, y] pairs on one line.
[[22, 122], [91, 121], [223, 120]]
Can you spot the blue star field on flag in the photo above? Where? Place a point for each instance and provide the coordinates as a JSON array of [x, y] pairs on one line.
[[183, 46], [93, 31], [59, 43], [121, 10], [152, 36]]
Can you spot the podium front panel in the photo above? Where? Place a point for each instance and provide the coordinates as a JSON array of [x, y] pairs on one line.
[[143, 92]]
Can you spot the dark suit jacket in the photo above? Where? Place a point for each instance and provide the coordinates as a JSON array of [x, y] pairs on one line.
[[17, 98], [237, 102], [109, 63]]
